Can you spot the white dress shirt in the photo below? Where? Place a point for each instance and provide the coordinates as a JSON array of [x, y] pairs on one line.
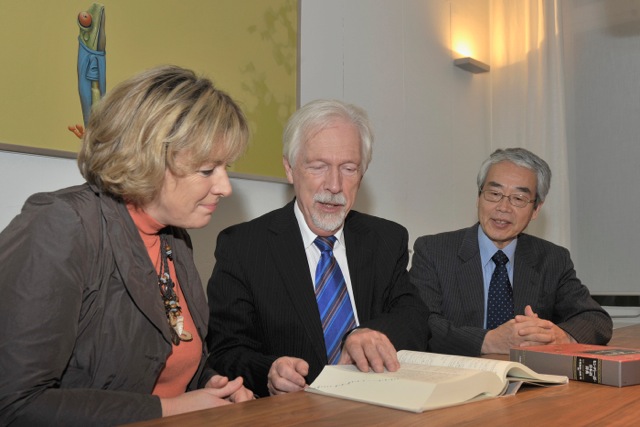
[[313, 254]]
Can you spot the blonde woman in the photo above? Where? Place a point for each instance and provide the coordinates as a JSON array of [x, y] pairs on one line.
[[105, 312]]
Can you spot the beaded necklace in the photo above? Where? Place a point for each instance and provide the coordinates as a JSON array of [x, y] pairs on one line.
[[169, 296]]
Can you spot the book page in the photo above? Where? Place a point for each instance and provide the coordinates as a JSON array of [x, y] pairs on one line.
[[504, 369], [519, 372], [413, 387], [499, 367]]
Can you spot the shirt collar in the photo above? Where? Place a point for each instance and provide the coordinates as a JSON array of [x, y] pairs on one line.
[[309, 236], [488, 248], [144, 222]]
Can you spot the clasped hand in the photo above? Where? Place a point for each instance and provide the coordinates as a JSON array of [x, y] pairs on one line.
[[365, 348], [217, 391], [524, 330]]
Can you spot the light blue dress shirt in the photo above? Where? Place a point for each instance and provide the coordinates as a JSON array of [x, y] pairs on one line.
[[487, 250]]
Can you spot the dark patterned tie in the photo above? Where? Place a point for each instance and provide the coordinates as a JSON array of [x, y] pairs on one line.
[[500, 301], [334, 304]]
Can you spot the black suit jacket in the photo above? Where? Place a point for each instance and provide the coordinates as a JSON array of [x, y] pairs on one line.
[[447, 270], [262, 301]]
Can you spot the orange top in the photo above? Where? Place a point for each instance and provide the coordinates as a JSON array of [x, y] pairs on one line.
[[182, 363]]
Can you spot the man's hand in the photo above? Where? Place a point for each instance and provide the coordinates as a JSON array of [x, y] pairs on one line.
[[524, 330], [535, 331], [287, 375], [367, 348]]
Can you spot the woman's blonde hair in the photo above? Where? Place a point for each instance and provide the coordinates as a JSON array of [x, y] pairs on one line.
[[137, 130]]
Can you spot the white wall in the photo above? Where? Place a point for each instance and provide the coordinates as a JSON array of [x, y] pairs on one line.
[[25, 174], [602, 50], [430, 118]]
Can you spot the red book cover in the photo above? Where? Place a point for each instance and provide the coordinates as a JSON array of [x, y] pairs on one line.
[[596, 364]]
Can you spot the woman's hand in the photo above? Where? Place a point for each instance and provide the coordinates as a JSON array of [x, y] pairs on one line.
[[241, 394], [218, 391]]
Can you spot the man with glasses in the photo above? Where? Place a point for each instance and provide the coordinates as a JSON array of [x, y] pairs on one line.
[[491, 287]]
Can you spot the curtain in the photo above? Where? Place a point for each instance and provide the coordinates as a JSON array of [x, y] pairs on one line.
[[528, 104]]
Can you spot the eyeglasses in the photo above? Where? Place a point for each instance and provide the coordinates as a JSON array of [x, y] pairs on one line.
[[517, 200]]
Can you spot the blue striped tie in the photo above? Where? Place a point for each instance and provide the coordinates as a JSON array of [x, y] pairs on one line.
[[334, 304]]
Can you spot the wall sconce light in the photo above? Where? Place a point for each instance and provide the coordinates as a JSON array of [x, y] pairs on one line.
[[472, 65]]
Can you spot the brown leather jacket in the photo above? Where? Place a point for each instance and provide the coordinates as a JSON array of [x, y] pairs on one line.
[[84, 334]]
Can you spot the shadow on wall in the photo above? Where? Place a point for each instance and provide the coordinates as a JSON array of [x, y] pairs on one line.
[[539, 226], [250, 199], [364, 201], [623, 17]]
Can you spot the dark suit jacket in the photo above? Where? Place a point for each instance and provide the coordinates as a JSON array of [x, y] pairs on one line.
[[447, 270], [262, 300]]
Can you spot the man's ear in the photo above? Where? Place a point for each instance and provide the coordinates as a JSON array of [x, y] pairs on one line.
[[288, 169], [536, 211]]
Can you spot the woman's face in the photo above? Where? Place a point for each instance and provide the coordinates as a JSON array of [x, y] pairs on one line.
[[188, 201]]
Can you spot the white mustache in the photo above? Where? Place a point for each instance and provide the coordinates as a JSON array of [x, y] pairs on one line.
[[334, 199]]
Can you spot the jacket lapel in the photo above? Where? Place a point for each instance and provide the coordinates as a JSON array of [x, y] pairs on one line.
[[526, 280], [469, 278], [189, 280], [360, 241], [287, 247], [134, 265]]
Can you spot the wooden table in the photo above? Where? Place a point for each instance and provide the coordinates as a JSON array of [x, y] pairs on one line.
[[574, 404]]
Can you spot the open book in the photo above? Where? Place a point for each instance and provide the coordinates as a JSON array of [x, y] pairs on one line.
[[428, 381]]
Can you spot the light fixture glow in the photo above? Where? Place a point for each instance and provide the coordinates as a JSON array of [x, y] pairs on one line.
[[462, 49]]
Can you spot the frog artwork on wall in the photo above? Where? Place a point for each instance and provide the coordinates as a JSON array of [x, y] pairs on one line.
[[248, 48], [92, 66]]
